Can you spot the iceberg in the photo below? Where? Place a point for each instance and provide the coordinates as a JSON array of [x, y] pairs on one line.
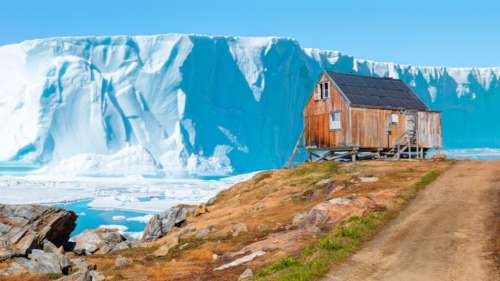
[[194, 105]]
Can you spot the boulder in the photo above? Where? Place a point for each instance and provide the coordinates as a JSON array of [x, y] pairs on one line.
[[97, 241], [328, 214], [161, 224], [125, 245], [40, 262], [169, 244], [26, 227]]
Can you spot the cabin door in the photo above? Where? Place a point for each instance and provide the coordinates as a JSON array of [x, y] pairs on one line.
[[411, 123]]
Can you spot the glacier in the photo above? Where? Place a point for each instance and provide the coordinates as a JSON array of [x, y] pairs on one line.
[[180, 105]]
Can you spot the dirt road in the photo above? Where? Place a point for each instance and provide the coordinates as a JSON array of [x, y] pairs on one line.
[[447, 232]]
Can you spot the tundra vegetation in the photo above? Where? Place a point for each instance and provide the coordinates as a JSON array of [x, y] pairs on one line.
[[288, 224]]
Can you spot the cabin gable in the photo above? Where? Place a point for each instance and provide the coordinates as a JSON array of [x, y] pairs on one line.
[[326, 119]]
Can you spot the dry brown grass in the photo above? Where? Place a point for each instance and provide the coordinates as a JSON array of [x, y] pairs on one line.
[[266, 205]]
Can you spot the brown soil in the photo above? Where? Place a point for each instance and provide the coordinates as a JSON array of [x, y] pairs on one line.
[[449, 232], [267, 204]]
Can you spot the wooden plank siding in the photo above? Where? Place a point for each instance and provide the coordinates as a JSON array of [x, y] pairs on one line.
[[317, 122], [369, 127], [429, 129]]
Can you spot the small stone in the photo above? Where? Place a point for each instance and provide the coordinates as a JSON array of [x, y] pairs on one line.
[[185, 230], [215, 257], [241, 260], [239, 228], [125, 245], [260, 206], [82, 275], [200, 210], [246, 275], [298, 218], [263, 228], [439, 157], [97, 276], [368, 179], [121, 261], [323, 183], [82, 264]]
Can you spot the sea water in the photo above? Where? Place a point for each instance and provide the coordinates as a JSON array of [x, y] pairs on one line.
[[131, 223]]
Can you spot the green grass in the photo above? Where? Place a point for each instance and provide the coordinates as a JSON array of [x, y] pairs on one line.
[[326, 168], [315, 261]]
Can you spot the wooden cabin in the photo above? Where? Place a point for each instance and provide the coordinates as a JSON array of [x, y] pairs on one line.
[[353, 113]]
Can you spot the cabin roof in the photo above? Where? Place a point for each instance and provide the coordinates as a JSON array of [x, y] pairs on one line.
[[367, 91]]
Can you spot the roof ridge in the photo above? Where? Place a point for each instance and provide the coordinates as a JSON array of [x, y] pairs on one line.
[[363, 75]]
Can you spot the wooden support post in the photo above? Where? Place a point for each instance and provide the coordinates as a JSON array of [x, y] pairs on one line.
[[295, 150], [354, 155]]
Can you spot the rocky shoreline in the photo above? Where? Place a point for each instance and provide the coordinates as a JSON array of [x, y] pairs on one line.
[[36, 239]]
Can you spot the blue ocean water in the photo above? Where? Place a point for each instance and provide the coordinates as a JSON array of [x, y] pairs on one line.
[[89, 218]]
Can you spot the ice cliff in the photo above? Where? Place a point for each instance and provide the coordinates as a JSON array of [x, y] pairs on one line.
[[196, 105]]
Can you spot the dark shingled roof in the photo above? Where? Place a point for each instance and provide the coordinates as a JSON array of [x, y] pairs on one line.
[[367, 91]]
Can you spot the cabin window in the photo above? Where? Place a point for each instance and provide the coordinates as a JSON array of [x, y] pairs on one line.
[[324, 92], [335, 120], [321, 91], [395, 118]]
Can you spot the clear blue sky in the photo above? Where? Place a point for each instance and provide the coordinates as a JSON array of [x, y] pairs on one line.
[[422, 32]]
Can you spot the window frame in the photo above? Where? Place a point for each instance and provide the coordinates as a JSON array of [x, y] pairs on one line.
[[332, 120], [322, 91], [395, 118]]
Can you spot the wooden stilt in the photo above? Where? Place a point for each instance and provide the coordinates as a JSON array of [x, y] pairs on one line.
[[295, 149]]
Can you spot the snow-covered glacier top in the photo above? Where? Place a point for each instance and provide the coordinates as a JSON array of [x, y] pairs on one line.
[[180, 104]]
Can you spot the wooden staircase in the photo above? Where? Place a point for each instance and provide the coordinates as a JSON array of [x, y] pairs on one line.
[[405, 142]]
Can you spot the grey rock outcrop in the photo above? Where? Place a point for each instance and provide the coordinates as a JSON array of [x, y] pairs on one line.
[[27, 227], [161, 224], [40, 262], [97, 241]]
